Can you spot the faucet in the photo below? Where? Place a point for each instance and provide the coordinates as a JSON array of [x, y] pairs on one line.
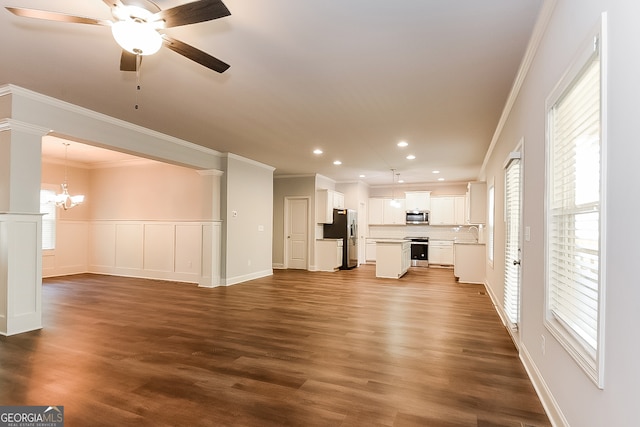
[[477, 235]]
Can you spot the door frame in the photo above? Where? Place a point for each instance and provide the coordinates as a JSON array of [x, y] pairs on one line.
[[515, 328], [310, 240]]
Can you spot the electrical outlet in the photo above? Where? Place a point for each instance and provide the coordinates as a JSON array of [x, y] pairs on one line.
[[542, 344]]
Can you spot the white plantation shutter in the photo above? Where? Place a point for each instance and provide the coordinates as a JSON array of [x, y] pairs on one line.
[[48, 208], [512, 242], [574, 211], [491, 223]]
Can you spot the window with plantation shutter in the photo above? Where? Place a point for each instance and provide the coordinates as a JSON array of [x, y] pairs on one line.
[[48, 208], [574, 232]]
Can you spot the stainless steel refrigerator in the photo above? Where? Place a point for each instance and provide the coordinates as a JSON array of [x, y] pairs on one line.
[[345, 227]]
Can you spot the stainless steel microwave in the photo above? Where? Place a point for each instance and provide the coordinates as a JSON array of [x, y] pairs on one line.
[[417, 217]]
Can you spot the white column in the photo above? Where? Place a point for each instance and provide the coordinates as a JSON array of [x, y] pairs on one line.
[[20, 227], [211, 233]]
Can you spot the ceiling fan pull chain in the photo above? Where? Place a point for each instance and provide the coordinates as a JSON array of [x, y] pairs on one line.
[[138, 63]]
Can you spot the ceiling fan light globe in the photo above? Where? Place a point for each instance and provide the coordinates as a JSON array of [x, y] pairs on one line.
[[136, 37]]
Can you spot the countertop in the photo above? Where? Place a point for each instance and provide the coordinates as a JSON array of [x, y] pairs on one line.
[[382, 240]]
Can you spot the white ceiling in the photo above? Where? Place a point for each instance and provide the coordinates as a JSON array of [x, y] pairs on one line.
[[351, 77]]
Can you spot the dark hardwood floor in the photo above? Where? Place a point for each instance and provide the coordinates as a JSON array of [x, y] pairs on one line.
[[297, 348]]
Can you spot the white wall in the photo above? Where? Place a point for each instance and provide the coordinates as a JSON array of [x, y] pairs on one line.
[[290, 186], [570, 396], [140, 219], [247, 214]]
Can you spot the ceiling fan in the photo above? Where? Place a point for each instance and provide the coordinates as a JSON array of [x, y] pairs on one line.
[[137, 24]]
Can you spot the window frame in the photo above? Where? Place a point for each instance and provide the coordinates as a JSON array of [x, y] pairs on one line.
[[590, 360], [54, 189], [491, 223]]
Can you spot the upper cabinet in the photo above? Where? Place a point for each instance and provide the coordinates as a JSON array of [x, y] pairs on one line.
[[418, 200], [383, 212], [477, 203], [447, 210], [394, 212], [376, 211], [326, 202]]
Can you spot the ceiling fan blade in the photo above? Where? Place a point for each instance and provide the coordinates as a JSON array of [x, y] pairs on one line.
[[129, 61], [196, 55], [113, 3], [192, 13], [55, 16]]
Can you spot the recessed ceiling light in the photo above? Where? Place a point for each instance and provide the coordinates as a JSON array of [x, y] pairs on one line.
[[337, 162], [411, 157], [435, 171], [363, 176], [403, 144], [317, 151], [400, 181], [440, 179]]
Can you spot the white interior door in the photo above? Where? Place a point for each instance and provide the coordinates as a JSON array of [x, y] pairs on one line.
[[297, 233], [513, 245]]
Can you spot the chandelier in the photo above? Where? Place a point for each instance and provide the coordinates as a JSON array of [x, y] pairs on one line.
[[64, 200]]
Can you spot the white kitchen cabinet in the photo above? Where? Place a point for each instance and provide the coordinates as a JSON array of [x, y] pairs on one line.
[[370, 251], [418, 200], [469, 263], [376, 211], [329, 254], [459, 207], [447, 210], [476, 202], [440, 252], [394, 214], [338, 200], [442, 210], [393, 258], [326, 202]]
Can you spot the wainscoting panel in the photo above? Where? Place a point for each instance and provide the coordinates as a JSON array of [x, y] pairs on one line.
[[156, 250], [159, 246], [129, 246], [188, 248], [102, 243]]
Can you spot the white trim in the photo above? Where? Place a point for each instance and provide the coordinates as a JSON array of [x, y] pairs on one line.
[[210, 172], [11, 124], [246, 160], [536, 37], [549, 403], [246, 277], [56, 103]]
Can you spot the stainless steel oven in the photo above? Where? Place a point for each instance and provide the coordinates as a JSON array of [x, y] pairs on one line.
[[419, 251]]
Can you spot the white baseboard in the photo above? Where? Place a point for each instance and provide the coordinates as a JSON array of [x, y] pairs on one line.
[[246, 277], [549, 403]]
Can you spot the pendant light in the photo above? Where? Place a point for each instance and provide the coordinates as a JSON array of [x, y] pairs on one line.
[[394, 202], [64, 200]]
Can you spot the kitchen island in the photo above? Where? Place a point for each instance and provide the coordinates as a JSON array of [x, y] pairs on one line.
[[469, 259], [393, 257]]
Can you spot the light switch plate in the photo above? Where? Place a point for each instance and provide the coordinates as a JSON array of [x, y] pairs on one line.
[[527, 233]]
